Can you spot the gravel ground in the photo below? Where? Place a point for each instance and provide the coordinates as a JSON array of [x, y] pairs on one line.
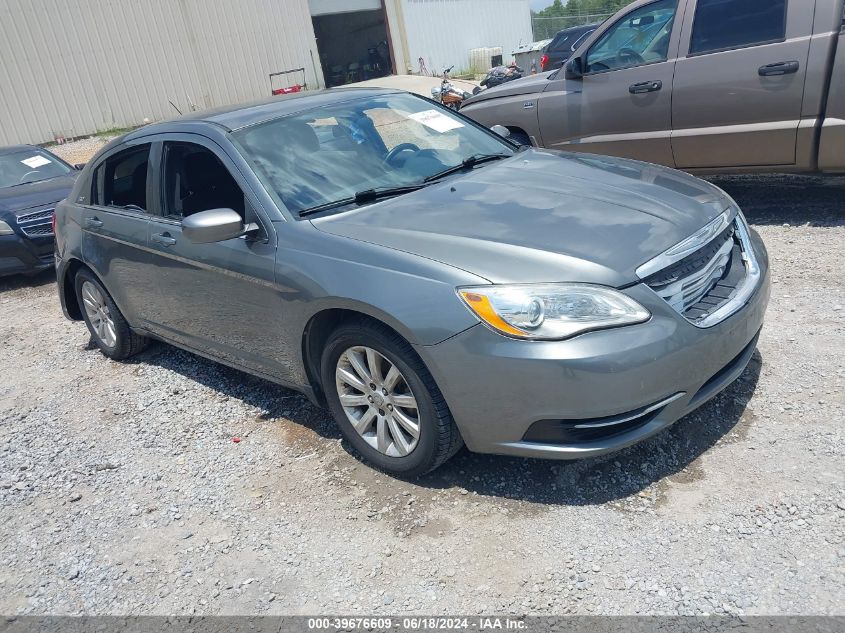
[[80, 150], [122, 491]]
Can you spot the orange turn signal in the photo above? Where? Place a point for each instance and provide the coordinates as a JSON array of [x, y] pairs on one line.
[[483, 308]]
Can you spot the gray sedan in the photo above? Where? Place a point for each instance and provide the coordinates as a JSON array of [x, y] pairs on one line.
[[428, 281]]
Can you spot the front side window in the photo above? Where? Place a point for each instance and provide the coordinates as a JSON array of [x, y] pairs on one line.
[[121, 180], [727, 24], [29, 165], [331, 153], [641, 37], [196, 180]]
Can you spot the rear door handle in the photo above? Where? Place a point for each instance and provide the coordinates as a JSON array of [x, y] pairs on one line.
[[93, 223], [164, 239], [778, 68], [645, 86]]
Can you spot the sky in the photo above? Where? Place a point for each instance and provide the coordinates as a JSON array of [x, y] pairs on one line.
[[539, 5]]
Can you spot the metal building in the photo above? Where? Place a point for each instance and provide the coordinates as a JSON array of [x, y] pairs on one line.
[[74, 67]]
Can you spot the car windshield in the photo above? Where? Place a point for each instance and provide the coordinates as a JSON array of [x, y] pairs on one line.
[[29, 165], [327, 155]]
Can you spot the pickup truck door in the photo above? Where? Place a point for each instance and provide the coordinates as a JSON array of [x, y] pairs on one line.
[[739, 82], [622, 105]]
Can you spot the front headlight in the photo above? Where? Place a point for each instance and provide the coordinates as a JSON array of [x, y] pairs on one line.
[[5, 229], [551, 311]]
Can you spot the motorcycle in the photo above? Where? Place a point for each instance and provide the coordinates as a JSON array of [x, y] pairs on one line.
[[502, 74], [450, 95]]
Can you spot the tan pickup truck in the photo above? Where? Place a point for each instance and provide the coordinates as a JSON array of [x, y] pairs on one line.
[[701, 85]]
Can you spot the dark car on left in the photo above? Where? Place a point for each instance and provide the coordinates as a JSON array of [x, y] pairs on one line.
[[32, 181]]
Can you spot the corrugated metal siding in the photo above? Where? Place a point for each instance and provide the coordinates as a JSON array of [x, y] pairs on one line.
[[443, 31], [72, 67]]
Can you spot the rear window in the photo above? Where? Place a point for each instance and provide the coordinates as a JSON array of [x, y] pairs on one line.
[[727, 24], [560, 41]]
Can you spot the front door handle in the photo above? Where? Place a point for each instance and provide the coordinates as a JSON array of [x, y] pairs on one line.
[[164, 239], [778, 68], [93, 223], [645, 86]]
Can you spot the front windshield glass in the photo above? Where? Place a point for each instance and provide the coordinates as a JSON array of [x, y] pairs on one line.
[[29, 165], [329, 154]]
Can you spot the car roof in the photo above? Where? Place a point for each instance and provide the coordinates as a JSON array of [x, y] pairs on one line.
[[577, 29], [234, 117]]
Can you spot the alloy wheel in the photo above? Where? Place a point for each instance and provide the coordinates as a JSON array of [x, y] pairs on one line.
[[378, 401], [98, 313]]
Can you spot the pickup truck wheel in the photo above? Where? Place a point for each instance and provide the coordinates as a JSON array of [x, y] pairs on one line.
[[109, 330], [385, 401]]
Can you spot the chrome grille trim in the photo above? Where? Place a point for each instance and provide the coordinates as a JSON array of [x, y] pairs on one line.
[[685, 293], [37, 223], [746, 287], [685, 247], [42, 214], [682, 294]]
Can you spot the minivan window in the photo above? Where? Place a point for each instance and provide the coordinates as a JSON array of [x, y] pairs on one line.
[[727, 24], [641, 37], [121, 181]]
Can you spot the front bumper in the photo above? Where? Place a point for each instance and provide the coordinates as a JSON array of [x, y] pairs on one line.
[[520, 397], [20, 254]]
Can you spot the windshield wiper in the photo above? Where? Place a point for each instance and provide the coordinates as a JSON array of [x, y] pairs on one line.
[[467, 163], [363, 197]]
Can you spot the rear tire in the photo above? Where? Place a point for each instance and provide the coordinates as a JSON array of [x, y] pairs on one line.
[[384, 414], [109, 329]]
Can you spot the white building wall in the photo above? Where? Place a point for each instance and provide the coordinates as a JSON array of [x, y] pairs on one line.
[[73, 67], [442, 32]]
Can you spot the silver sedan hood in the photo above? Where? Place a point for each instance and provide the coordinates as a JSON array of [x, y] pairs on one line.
[[542, 216]]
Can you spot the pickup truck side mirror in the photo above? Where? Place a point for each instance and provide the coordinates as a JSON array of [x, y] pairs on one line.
[[574, 68]]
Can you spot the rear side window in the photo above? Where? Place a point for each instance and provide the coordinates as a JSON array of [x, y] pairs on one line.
[[121, 180], [727, 24]]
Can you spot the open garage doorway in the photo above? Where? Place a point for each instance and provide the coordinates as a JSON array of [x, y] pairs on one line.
[[352, 39]]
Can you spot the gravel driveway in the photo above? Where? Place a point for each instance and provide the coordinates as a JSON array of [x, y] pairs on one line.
[[122, 490]]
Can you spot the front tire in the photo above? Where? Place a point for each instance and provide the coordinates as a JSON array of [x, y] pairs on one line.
[[385, 401], [109, 329]]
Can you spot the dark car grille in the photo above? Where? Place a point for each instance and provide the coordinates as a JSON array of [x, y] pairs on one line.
[[37, 223], [704, 280]]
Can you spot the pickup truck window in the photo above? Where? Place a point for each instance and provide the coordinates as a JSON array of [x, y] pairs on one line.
[[728, 24], [641, 37]]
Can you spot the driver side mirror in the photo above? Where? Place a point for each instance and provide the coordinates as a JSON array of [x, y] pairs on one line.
[[575, 68], [214, 225]]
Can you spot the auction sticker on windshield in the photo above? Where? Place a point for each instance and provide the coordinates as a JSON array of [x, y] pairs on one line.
[[36, 161], [435, 120]]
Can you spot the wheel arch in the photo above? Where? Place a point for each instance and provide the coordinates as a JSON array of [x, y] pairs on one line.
[[68, 289], [515, 129], [319, 328]]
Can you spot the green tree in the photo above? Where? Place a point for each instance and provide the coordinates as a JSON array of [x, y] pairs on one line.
[[559, 16]]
